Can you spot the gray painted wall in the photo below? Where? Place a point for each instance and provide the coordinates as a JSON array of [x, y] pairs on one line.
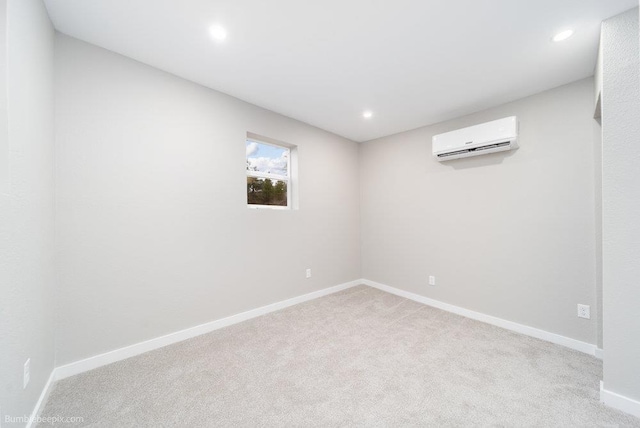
[[153, 232], [597, 156], [597, 114], [509, 234], [27, 209], [621, 204]]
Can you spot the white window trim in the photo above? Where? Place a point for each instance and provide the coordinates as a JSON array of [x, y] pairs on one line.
[[267, 207], [285, 178]]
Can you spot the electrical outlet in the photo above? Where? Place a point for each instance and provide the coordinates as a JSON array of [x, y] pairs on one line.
[[27, 373], [584, 311], [308, 273], [432, 280]]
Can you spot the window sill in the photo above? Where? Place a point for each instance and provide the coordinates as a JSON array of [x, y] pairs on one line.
[[268, 207]]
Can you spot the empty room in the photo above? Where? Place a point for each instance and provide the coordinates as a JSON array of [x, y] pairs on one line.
[[281, 213]]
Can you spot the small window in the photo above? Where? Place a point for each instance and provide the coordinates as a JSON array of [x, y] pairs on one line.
[[268, 175]]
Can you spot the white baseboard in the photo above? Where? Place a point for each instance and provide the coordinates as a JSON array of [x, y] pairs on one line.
[[599, 353], [46, 390], [619, 402], [159, 342], [577, 345], [607, 397]]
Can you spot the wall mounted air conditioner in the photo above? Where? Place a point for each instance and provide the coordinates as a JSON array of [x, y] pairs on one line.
[[495, 136]]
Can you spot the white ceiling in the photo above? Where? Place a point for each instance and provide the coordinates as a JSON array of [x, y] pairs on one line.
[[412, 62]]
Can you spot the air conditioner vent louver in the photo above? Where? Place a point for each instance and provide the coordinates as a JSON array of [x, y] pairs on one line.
[[476, 149]]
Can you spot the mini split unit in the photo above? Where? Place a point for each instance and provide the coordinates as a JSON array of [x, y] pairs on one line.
[[496, 136]]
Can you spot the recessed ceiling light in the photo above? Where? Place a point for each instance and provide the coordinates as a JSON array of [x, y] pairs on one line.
[[218, 32], [367, 114], [563, 35]]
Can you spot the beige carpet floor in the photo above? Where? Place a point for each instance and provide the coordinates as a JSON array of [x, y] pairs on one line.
[[360, 357]]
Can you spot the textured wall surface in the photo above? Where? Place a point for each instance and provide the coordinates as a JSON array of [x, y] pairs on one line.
[[509, 234], [27, 210], [597, 173], [621, 204], [153, 230]]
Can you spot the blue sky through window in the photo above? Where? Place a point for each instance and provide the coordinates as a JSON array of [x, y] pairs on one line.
[[267, 158]]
